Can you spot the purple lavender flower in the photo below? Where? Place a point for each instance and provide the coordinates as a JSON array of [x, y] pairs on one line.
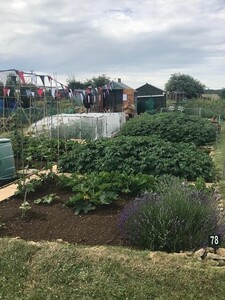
[[178, 217]]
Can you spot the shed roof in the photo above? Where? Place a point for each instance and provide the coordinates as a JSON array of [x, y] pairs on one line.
[[148, 89], [119, 85]]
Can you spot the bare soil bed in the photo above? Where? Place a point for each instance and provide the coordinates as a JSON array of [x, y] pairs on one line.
[[55, 221]]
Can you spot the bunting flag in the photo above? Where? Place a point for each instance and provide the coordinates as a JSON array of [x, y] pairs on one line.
[[49, 79], [42, 79], [21, 76], [32, 77], [40, 92], [6, 92]]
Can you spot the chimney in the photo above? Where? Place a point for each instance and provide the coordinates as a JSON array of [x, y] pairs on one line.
[[119, 79]]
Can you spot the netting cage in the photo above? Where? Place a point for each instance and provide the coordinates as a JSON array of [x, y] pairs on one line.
[[86, 126]]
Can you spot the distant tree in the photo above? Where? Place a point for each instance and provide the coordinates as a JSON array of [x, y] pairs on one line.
[[93, 82], [186, 84], [222, 93], [97, 81], [75, 84]]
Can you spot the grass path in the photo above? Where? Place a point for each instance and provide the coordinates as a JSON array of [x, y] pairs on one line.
[[219, 159], [45, 270]]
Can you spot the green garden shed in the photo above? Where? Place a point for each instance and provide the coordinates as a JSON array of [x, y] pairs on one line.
[[150, 98]]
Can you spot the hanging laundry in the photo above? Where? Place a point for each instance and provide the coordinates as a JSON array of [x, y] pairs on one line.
[[21, 76], [28, 92], [34, 79], [70, 93], [42, 77], [88, 99], [53, 92]]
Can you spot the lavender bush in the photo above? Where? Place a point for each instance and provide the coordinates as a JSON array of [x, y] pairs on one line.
[[177, 217]]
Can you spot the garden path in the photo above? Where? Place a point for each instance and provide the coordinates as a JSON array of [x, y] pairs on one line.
[[10, 189]]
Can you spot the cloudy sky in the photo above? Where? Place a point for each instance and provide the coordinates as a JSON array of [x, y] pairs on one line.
[[138, 41]]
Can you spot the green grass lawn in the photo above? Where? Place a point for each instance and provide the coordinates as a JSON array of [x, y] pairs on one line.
[[219, 159], [62, 271]]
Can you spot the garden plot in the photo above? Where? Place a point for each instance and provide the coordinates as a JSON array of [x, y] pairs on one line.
[[90, 126]]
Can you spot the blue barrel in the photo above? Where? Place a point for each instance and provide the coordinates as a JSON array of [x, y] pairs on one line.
[[7, 161]]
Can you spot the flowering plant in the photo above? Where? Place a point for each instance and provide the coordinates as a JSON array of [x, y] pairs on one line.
[[177, 217]]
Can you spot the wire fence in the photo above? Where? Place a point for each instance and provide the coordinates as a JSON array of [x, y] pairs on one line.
[[196, 111]]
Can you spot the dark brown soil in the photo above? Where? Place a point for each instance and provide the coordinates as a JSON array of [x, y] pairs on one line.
[[55, 221]]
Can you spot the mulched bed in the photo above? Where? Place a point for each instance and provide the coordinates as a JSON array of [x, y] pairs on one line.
[[55, 221]]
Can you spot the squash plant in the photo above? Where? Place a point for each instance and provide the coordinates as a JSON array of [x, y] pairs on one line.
[[48, 199], [95, 189]]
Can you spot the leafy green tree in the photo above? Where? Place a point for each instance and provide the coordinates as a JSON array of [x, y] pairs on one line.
[[94, 82], [98, 81], [222, 93], [186, 84], [75, 84]]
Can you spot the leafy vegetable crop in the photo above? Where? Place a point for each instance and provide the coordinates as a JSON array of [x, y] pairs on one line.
[[172, 126], [148, 155], [95, 189]]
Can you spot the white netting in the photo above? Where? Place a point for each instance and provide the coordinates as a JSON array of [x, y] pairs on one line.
[[79, 126]]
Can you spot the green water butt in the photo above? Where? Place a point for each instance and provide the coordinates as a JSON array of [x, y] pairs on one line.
[[7, 162]]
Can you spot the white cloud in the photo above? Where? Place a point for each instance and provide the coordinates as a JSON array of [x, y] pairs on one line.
[[139, 41]]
